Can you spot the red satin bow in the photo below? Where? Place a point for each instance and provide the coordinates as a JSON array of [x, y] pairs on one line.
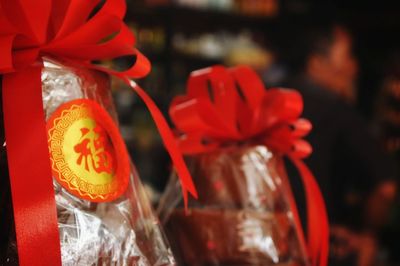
[[68, 30], [224, 107]]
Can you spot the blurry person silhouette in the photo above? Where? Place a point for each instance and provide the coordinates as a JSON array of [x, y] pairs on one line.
[[388, 106], [388, 126], [356, 178]]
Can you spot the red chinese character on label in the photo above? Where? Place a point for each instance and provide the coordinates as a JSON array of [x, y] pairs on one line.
[[89, 140], [92, 151]]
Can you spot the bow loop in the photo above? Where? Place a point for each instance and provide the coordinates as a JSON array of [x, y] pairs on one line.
[[216, 89], [75, 14], [301, 128], [284, 104], [187, 108], [249, 84], [19, 19], [114, 7], [199, 116], [37, 14], [85, 43]]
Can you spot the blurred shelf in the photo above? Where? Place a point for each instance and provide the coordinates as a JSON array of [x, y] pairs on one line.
[[178, 56], [191, 23], [194, 59], [194, 19], [154, 56]]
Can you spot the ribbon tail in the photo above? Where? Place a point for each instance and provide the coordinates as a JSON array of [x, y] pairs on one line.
[[317, 217], [292, 204], [30, 172], [169, 142]]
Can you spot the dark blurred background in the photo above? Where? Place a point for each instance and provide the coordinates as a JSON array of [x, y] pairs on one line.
[[180, 36]]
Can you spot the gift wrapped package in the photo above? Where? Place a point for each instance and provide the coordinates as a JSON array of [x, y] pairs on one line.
[[100, 222], [235, 134], [70, 194]]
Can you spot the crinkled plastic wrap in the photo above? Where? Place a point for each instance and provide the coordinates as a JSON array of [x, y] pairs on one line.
[[243, 215], [120, 232]]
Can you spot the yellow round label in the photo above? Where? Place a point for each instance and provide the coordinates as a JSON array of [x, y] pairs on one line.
[[87, 153]]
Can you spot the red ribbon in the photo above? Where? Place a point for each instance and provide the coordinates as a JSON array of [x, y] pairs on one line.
[[230, 106], [69, 31]]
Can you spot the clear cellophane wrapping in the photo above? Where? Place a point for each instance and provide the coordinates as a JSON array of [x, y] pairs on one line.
[[121, 232], [243, 215]]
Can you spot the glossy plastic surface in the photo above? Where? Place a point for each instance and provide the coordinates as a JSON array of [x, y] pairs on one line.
[[243, 216]]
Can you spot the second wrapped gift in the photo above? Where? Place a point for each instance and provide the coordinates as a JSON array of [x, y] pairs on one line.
[[236, 134]]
